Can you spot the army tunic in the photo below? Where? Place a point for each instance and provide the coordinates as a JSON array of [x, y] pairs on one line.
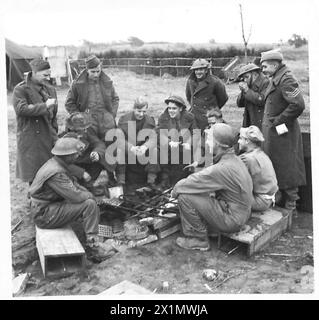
[[283, 105]]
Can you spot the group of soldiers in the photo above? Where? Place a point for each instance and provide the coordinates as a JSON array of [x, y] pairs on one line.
[[248, 170]]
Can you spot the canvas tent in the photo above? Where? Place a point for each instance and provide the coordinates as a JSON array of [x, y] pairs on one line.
[[17, 58]]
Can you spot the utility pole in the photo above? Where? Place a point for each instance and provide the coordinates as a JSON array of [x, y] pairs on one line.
[[243, 32]]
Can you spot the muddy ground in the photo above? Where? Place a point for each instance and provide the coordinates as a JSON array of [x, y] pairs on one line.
[[154, 263]]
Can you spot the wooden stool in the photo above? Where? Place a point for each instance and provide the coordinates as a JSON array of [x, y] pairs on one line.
[[60, 251], [262, 228]]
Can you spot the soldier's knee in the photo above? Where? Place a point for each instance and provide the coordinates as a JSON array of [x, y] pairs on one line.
[[90, 204]]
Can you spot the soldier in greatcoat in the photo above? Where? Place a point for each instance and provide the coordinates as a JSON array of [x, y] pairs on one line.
[[284, 103], [35, 104]]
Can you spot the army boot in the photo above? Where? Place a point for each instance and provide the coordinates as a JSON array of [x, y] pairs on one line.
[[95, 252]]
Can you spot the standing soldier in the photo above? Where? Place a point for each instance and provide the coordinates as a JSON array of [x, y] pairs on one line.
[[204, 92], [93, 92], [252, 89], [35, 104], [283, 142]]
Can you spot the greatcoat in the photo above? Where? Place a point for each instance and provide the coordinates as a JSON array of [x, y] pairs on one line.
[[283, 105], [205, 95], [36, 126], [253, 102]]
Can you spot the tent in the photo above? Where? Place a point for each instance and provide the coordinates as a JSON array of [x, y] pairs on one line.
[[17, 61]]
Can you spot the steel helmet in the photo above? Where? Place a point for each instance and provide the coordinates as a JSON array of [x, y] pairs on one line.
[[247, 68], [223, 134], [200, 63], [67, 146], [176, 99], [79, 121]]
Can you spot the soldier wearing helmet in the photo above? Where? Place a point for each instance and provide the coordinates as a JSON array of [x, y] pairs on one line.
[[176, 127], [252, 85], [57, 199], [134, 147], [92, 159], [259, 166], [204, 91], [218, 197]]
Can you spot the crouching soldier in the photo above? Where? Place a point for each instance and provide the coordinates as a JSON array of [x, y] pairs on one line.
[[91, 160], [260, 168], [218, 197], [57, 199]]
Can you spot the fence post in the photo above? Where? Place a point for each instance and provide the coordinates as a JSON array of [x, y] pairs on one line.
[[160, 68], [128, 64]]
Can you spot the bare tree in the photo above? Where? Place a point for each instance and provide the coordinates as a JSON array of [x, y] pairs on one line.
[[243, 32]]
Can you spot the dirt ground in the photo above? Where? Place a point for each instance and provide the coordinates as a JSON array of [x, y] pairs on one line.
[[280, 268]]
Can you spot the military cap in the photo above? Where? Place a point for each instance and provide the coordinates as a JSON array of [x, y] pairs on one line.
[[67, 146], [247, 68], [252, 133], [223, 134], [271, 55], [79, 121], [176, 99], [199, 64], [39, 64], [92, 62], [140, 102]]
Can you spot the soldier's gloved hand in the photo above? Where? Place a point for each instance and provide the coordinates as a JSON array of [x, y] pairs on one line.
[[134, 149], [86, 177], [94, 156], [141, 150], [186, 146], [51, 111], [173, 144], [50, 102]]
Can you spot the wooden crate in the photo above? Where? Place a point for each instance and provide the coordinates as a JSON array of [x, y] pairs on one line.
[[60, 251], [261, 229]]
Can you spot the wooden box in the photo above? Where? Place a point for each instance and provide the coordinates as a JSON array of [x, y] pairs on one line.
[[261, 229], [60, 252]]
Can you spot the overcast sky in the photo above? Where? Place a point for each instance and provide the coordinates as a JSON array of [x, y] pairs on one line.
[[61, 22]]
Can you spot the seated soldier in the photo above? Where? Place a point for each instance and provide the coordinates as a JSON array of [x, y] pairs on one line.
[[91, 161], [176, 127], [57, 198], [131, 125], [260, 168], [218, 197]]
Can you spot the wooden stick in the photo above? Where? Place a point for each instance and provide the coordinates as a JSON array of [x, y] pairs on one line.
[[16, 225]]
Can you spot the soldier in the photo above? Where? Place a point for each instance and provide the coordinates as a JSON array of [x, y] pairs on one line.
[[91, 160], [252, 89], [176, 127], [283, 142], [218, 197], [35, 104], [93, 92], [260, 168], [138, 119], [204, 92], [57, 199]]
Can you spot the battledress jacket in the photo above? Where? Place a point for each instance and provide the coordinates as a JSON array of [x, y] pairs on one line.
[[284, 104], [36, 126], [205, 95], [253, 102], [227, 180], [78, 95]]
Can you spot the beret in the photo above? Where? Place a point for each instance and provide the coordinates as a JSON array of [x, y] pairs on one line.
[[92, 62], [39, 64], [252, 133]]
